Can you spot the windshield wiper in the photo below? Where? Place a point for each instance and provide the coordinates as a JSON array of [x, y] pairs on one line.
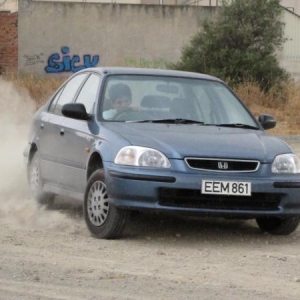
[[237, 125], [171, 121]]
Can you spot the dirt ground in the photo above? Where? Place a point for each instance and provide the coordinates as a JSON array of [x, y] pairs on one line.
[[49, 254]]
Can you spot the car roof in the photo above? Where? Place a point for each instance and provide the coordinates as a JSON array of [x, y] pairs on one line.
[[146, 71]]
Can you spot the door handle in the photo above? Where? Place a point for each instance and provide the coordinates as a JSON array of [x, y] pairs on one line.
[[62, 131]]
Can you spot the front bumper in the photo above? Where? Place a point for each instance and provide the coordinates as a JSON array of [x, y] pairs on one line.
[[180, 191]]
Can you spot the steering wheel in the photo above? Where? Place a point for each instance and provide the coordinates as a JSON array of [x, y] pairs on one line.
[[118, 116], [133, 115]]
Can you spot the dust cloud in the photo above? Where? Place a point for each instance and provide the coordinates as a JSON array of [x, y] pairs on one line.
[[17, 208]]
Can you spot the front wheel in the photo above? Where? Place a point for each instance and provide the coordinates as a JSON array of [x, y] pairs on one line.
[[103, 220], [278, 226]]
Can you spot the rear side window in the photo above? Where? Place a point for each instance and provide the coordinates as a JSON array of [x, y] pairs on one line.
[[68, 93], [54, 101], [88, 93]]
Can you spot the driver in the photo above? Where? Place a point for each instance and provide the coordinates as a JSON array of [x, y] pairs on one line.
[[121, 99]]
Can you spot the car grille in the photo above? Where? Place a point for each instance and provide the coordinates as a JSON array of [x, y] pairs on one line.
[[222, 165], [194, 199]]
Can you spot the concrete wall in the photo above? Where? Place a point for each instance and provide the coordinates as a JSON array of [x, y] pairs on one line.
[[289, 57], [62, 37], [152, 2], [8, 41], [292, 5], [9, 5]]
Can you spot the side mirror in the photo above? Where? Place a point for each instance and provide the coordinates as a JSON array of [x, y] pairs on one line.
[[267, 121], [75, 111]]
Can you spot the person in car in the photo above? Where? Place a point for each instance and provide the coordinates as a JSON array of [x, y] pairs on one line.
[[121, 99]]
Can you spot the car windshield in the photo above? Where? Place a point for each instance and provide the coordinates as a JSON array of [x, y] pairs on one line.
[[161, 99]]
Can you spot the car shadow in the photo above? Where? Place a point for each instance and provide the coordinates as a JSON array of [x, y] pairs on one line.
[[168, 224], [194, 229], [169, 227]]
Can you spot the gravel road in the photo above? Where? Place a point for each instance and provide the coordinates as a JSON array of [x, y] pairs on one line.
[[48, 254]]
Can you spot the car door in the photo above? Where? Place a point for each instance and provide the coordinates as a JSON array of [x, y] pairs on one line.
[[79, 136], [51, 147]]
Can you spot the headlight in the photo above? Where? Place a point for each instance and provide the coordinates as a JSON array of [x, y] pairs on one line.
[[286, 163], [143, 157]]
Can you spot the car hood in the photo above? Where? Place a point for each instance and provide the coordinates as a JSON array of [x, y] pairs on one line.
[[181, 140]]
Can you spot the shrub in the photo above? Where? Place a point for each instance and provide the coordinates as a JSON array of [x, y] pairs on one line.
[[240, 45]]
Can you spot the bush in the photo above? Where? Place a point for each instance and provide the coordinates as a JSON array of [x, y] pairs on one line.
[[240, 45]]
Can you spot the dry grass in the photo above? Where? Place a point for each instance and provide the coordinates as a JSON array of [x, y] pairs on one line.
[[283, 104], [38, 88]]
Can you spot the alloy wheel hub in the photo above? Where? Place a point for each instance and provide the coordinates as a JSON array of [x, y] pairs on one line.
[[97, 204]]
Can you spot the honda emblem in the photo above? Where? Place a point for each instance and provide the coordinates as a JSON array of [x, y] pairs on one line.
[[222, 165]]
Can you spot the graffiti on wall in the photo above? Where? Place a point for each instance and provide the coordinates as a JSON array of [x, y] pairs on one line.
[[33, 59], [63, 62]]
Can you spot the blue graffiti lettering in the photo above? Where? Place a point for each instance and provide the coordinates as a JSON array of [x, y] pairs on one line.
[[65, 50], [54, 66], [76, 68], [67, 63]]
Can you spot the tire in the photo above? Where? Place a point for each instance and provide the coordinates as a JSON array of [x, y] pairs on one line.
[[278, 226], [35, 183], [104, 221]]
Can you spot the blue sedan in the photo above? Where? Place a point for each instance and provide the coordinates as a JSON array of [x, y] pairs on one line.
[[123, 139]]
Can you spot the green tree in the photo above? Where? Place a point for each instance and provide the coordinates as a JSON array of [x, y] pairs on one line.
[[240, 45]]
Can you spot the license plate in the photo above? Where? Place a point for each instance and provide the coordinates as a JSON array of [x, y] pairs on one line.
[[226, 188]]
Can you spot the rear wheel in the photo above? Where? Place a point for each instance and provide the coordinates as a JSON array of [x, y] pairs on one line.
[[35, 183], [278, 226], [103, 220]]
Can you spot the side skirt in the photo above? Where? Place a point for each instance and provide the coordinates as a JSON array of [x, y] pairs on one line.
[[49, 188]]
